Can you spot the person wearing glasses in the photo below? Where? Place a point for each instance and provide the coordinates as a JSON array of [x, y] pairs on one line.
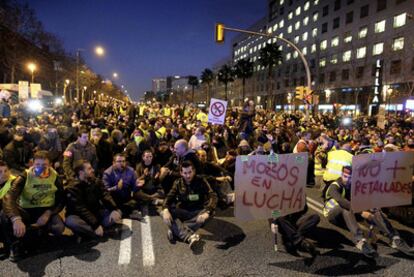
[[121, 181]]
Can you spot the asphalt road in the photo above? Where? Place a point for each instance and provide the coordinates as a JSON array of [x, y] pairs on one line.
[[231, 248]]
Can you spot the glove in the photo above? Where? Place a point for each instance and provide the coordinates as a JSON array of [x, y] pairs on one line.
[[166, 217], [201, 218]]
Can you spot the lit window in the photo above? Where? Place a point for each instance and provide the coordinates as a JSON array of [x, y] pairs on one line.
[[296, 40], [264, 44], [334, 59], [281, 23], [269, 30], [399, 20], [398, 44], [361, 52], [314, 32], [290, 15], [380, 26], [305, 36], [305, 50], [260, 47], [306, 21], [295, 54], [297, 12], [363, 32], [324, 44], [315, 16], [289, 29], [306, 6], [346, 57], [378, 49], [255, 49], [269, 41], [282, 1], [335, 41], [288, 55], [315, 2], [348, 38], [322, 62], [274, 40], [313, 48], [275, 27], [297, 25], [281, 35], [250, 50]]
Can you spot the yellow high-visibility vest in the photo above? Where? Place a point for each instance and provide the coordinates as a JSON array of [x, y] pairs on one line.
[[337, 159]]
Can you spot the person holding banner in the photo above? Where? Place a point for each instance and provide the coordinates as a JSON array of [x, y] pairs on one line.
[[337, 210], [187, 207]]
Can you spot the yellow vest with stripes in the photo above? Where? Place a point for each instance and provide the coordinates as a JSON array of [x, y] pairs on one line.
[[6, 186], [331, 203], [336, 161]]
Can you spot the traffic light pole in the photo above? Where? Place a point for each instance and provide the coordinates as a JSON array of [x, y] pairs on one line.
[[305, 62]]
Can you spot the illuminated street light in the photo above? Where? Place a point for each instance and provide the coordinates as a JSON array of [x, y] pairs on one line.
[[115, 75], [67, 81], [99, 50], [32, 68]]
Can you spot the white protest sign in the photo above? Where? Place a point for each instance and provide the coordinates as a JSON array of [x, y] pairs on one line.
[[217, 111], [381, 180], [23, 90], [270, 186]]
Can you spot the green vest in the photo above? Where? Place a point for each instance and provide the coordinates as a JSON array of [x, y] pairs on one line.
[[6, 186], [331, 203], [38, 192]]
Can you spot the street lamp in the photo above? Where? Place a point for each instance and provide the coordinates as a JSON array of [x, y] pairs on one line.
[[32, 68], [99, 50], [115, 75]]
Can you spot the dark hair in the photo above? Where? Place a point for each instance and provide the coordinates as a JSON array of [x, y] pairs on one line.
[[147, 151], [3, 163], [79, 166], [186, 164], [119, 155], [347, 168], [82, 130], [41, 155]]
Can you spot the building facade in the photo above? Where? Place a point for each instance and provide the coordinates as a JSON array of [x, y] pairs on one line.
[[353, 47]]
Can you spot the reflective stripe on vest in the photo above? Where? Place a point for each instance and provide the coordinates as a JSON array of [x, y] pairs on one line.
[[336, 161], [6, 186], [331, 203], [39, 192]]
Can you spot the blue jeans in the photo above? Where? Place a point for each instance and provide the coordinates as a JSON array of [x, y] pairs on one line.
[[184, 223]]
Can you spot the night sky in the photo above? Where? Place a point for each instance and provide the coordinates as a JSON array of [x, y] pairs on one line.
[[146, 39]]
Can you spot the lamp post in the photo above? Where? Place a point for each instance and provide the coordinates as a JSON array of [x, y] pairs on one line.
[[32, 68]]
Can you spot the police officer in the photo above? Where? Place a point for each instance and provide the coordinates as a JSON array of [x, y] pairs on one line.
[[34, 201], [188, 205], [81, 149]]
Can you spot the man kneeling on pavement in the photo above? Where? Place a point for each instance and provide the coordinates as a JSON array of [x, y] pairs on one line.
[[189, 204], [90, 207]]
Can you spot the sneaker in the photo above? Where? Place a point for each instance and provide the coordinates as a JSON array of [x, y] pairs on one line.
[[366, 249], [308, 247], [170, 237], [399, 244], [194, 241], [136, 215], [17, 252]]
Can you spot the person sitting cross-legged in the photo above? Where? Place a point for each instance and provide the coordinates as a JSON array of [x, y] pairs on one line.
[[90, 208], [189, 204]]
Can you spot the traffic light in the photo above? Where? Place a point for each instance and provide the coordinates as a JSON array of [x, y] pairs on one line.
[[219, 34], [300, 92], [308, 95]]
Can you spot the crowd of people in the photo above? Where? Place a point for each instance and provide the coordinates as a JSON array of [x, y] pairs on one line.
[[87, 167]]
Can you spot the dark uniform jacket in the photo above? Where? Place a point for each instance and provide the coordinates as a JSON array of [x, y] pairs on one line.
[[17, 155], [88, 199], [196, 196], [75, 152]]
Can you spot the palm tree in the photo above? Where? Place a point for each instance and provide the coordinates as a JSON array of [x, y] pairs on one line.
[[207, 77], [225, 76], [243, 70], [193, 82], [269, 57]]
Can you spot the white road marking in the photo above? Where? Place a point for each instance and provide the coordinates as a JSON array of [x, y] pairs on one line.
[[316, 203], [125, 245], [148, 257]]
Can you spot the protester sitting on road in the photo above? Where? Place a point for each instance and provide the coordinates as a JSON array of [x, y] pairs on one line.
[[148, 176], [33, 202], [90, 207], [18, 152], [121, 181], [294, 228], [187, 207], [197, 140], [81, 149]]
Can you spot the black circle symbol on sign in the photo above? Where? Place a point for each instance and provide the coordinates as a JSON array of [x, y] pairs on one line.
[[217, 109]]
